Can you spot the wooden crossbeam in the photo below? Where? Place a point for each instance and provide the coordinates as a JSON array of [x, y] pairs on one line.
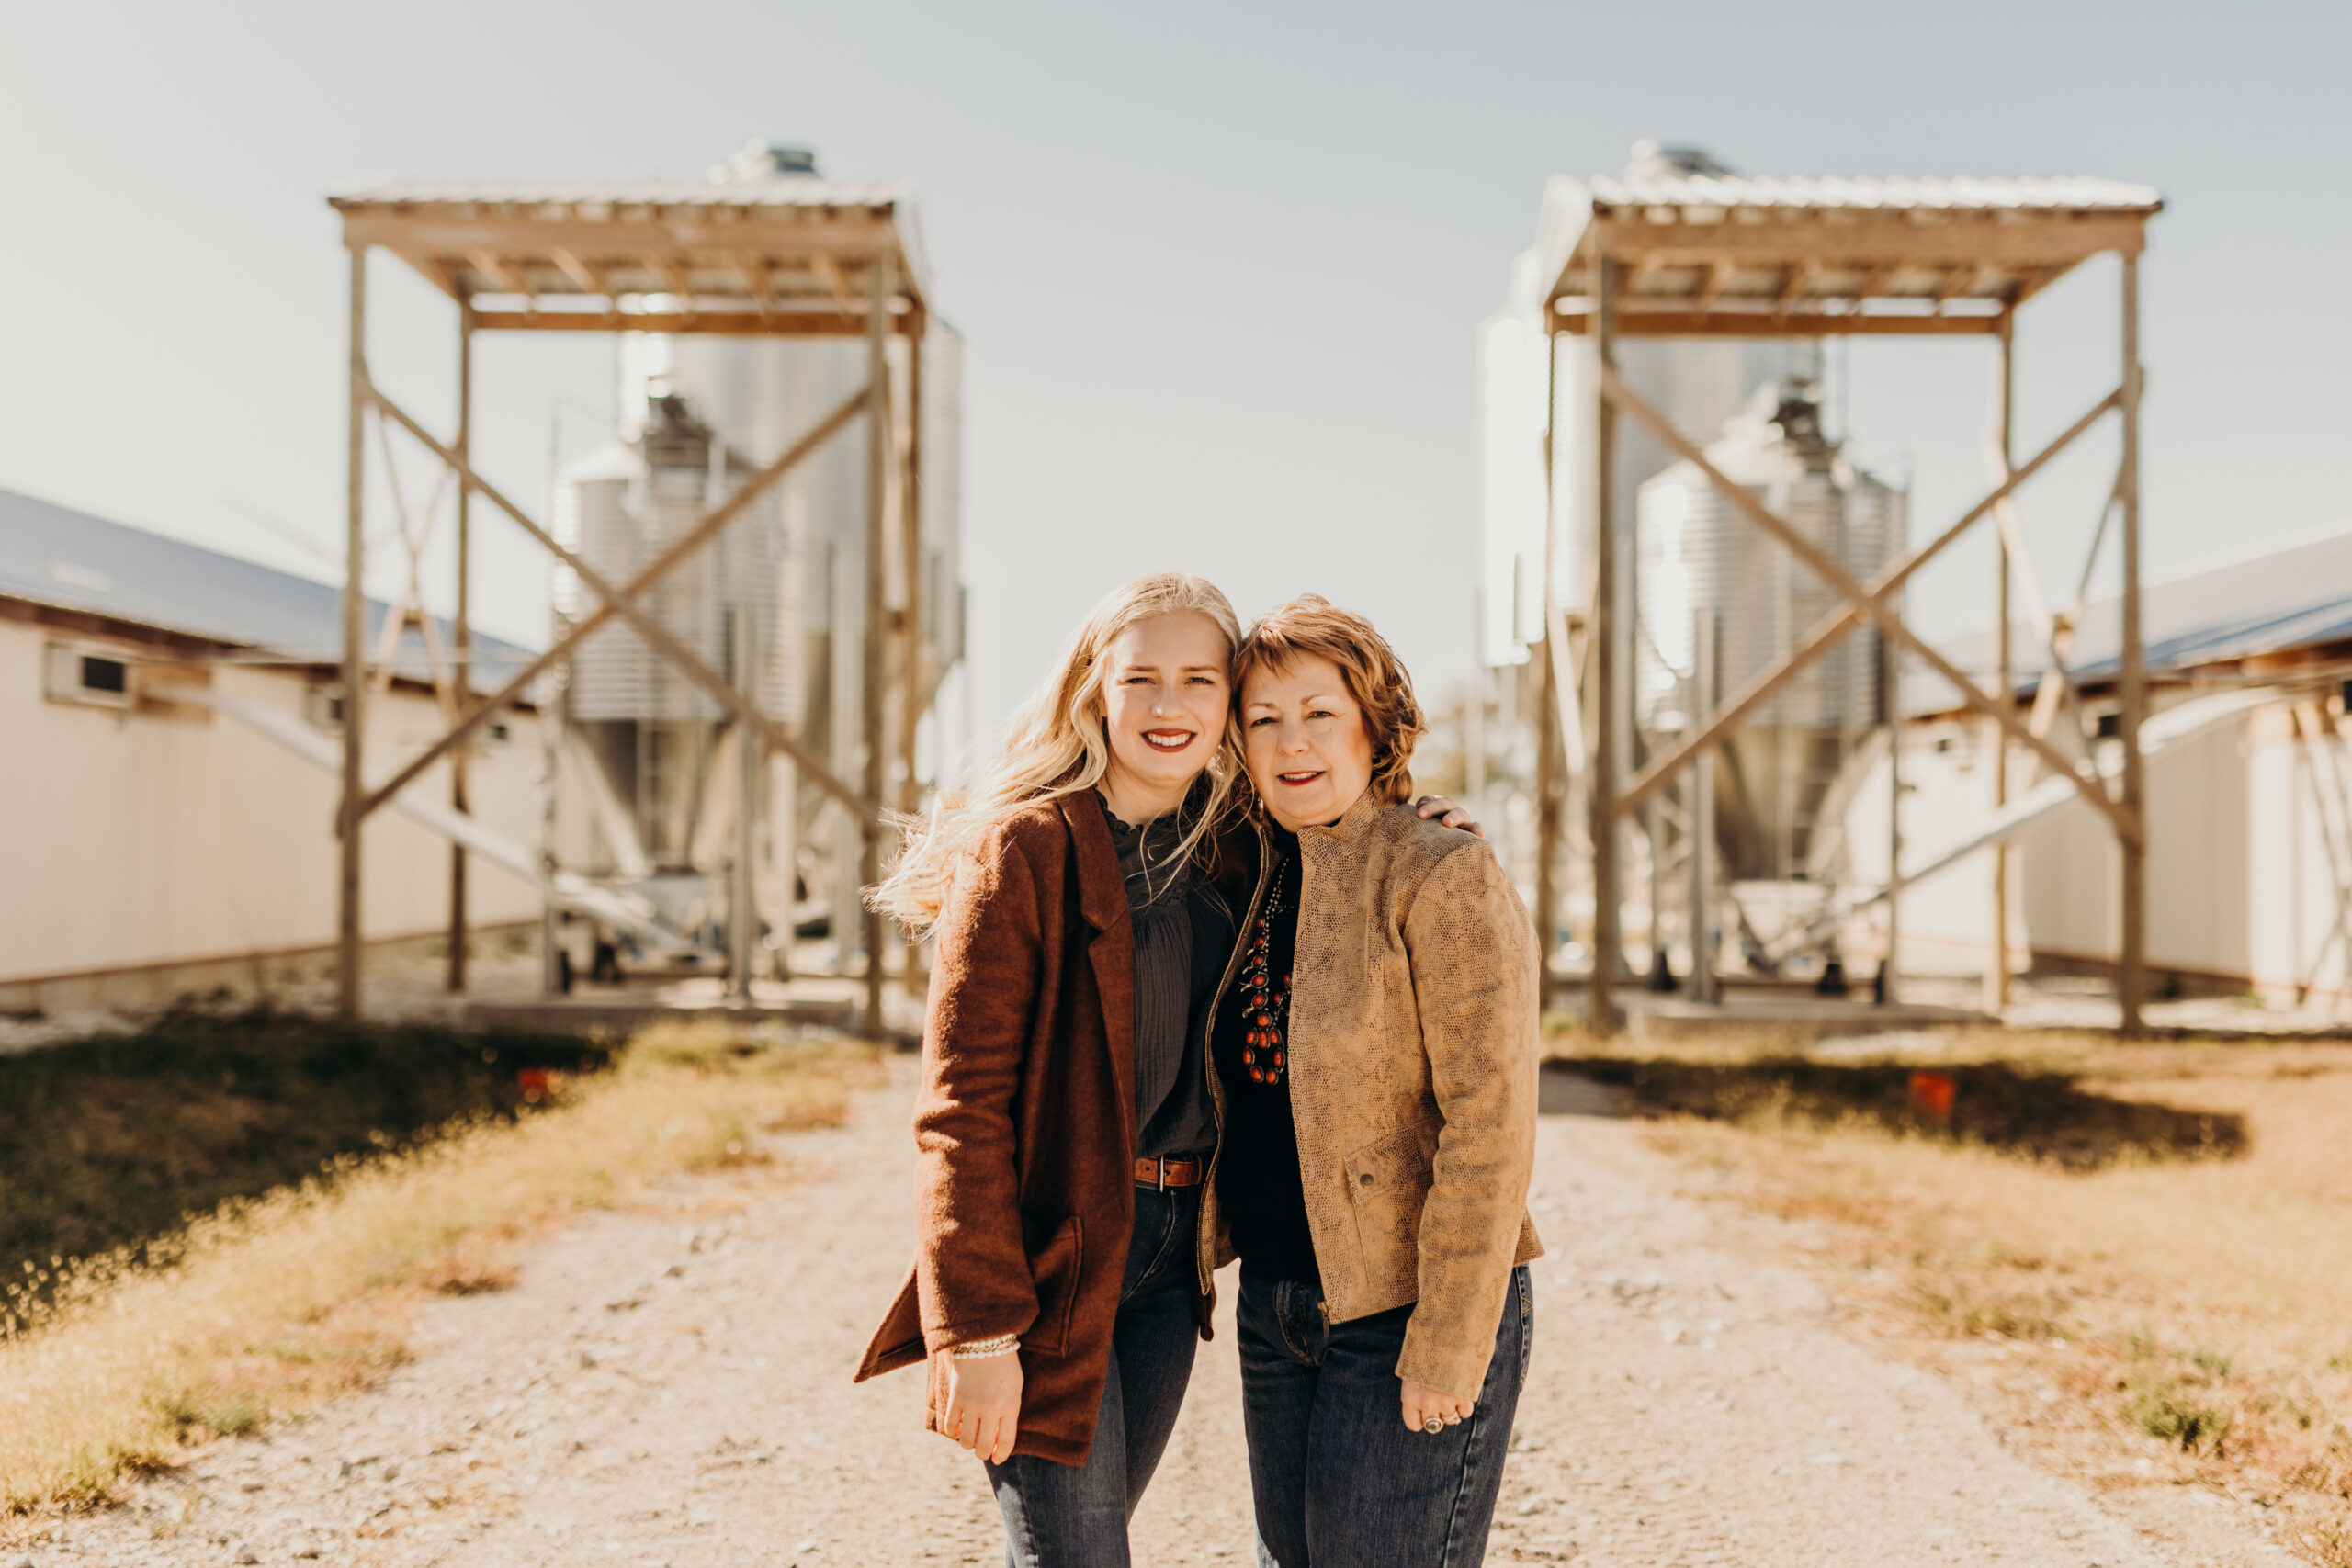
[[1566, 682], [1874, 280], [586, 279], [1800, 278], [441, 274], [2032, 281], [621, 601], [1779, 241], [1956, 281], [782, 238], [1873, 602], [830, 270], [674, 279], [411, 607], [2313, 752], [2046, 623], [1643, 319], [763, 287], [500, 277], [2062, 623], [747, 322]]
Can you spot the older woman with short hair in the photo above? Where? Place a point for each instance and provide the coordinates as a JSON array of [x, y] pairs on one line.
[[1082, 899], [1376, 1042]]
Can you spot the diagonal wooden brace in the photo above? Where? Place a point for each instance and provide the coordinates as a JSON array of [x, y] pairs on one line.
[[1819, 638], [621, 601], [1824, 633], [2050, 692], [1870, 601]]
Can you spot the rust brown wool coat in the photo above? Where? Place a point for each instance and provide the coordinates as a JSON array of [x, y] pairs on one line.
[[1025, 1123]]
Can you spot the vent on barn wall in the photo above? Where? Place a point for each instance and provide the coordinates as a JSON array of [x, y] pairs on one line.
[[322, 706], [91, 676]]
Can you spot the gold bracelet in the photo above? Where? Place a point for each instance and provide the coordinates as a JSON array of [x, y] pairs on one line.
[[983, 1349]]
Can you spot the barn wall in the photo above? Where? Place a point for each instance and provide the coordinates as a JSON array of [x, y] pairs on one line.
[[2250, 860], [2300, 811], [167, 836]]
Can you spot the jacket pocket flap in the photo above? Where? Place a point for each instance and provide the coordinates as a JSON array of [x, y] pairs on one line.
[[1402, 1158]]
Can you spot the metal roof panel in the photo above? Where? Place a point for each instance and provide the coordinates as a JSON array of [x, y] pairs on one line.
[[783, 190], [2028, 194], [53, 555], [2285, 600]]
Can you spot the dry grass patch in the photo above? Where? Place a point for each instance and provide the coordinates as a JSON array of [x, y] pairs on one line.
[[2150, 1315], [114, 1140], [268, 1305]]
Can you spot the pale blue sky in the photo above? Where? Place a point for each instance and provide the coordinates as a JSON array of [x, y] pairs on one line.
[[1219, 264]]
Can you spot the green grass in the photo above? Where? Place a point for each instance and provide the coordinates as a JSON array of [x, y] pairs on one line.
[[114, 1141]]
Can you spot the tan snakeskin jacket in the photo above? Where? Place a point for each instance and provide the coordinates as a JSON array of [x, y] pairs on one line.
[[1414, 1028]]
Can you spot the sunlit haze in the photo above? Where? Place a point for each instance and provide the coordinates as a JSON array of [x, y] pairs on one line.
[[1219, 267]]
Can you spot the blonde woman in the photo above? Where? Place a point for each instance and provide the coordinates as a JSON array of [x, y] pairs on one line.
[[1378, 1056], [1085, 902]]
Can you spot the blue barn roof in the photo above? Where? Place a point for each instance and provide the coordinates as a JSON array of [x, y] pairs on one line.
[[54, 555]]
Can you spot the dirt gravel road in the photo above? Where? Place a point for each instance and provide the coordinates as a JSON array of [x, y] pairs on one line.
[[670, 1385]]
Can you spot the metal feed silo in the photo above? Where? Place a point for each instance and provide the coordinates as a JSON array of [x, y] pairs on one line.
[[1698, 556], [778, 602], [645, 744]]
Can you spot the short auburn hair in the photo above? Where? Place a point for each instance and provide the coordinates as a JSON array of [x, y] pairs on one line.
[[1311, 627]]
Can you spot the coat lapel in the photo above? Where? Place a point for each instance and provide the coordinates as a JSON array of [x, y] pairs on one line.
[[1102, 904]]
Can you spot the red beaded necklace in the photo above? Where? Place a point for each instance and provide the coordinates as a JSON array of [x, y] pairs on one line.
[[1263, 1051]]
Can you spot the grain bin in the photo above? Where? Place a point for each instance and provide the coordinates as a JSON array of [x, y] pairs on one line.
[[1698, 556]]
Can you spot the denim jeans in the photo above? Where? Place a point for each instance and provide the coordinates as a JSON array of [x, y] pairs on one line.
[[1338, 1479], [1059, 1516]]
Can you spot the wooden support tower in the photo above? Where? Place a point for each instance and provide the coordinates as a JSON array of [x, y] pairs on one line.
[[461, 639], [876, 740], [771, 253], [1670, 255], [1600, 793], [2004, 682]]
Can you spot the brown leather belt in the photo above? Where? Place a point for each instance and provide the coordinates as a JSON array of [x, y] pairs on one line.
[[1182, 1170]]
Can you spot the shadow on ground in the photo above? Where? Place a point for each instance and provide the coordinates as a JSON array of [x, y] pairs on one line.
[[115, 1141], [2040, 1116]]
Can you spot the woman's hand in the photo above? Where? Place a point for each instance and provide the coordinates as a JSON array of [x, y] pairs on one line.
[[1421, 1402], [1448, 814], [984, 1405]]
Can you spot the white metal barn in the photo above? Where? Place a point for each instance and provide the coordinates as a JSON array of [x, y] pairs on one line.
[[168, 718], [2250, 882]]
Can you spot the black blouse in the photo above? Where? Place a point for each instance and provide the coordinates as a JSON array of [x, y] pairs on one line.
[[1173, 936], [1258, 1179]]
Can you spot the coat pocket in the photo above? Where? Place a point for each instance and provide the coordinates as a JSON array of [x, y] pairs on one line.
[[1054, 1270], [1388, 1179]]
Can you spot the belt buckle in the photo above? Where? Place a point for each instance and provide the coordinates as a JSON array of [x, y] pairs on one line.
[[1159, 1171]]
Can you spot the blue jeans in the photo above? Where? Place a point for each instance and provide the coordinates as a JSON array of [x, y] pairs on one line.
[[1338, 1480], [1059, 1516]]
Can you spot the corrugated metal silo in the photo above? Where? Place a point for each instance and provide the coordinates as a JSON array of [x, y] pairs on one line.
[[1697, 555], [651, 734]]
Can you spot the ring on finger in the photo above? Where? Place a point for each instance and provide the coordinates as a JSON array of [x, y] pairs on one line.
[[1453, 1420], [1433, 1426]]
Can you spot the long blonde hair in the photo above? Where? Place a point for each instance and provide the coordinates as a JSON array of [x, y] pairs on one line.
[[1055, 746]]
